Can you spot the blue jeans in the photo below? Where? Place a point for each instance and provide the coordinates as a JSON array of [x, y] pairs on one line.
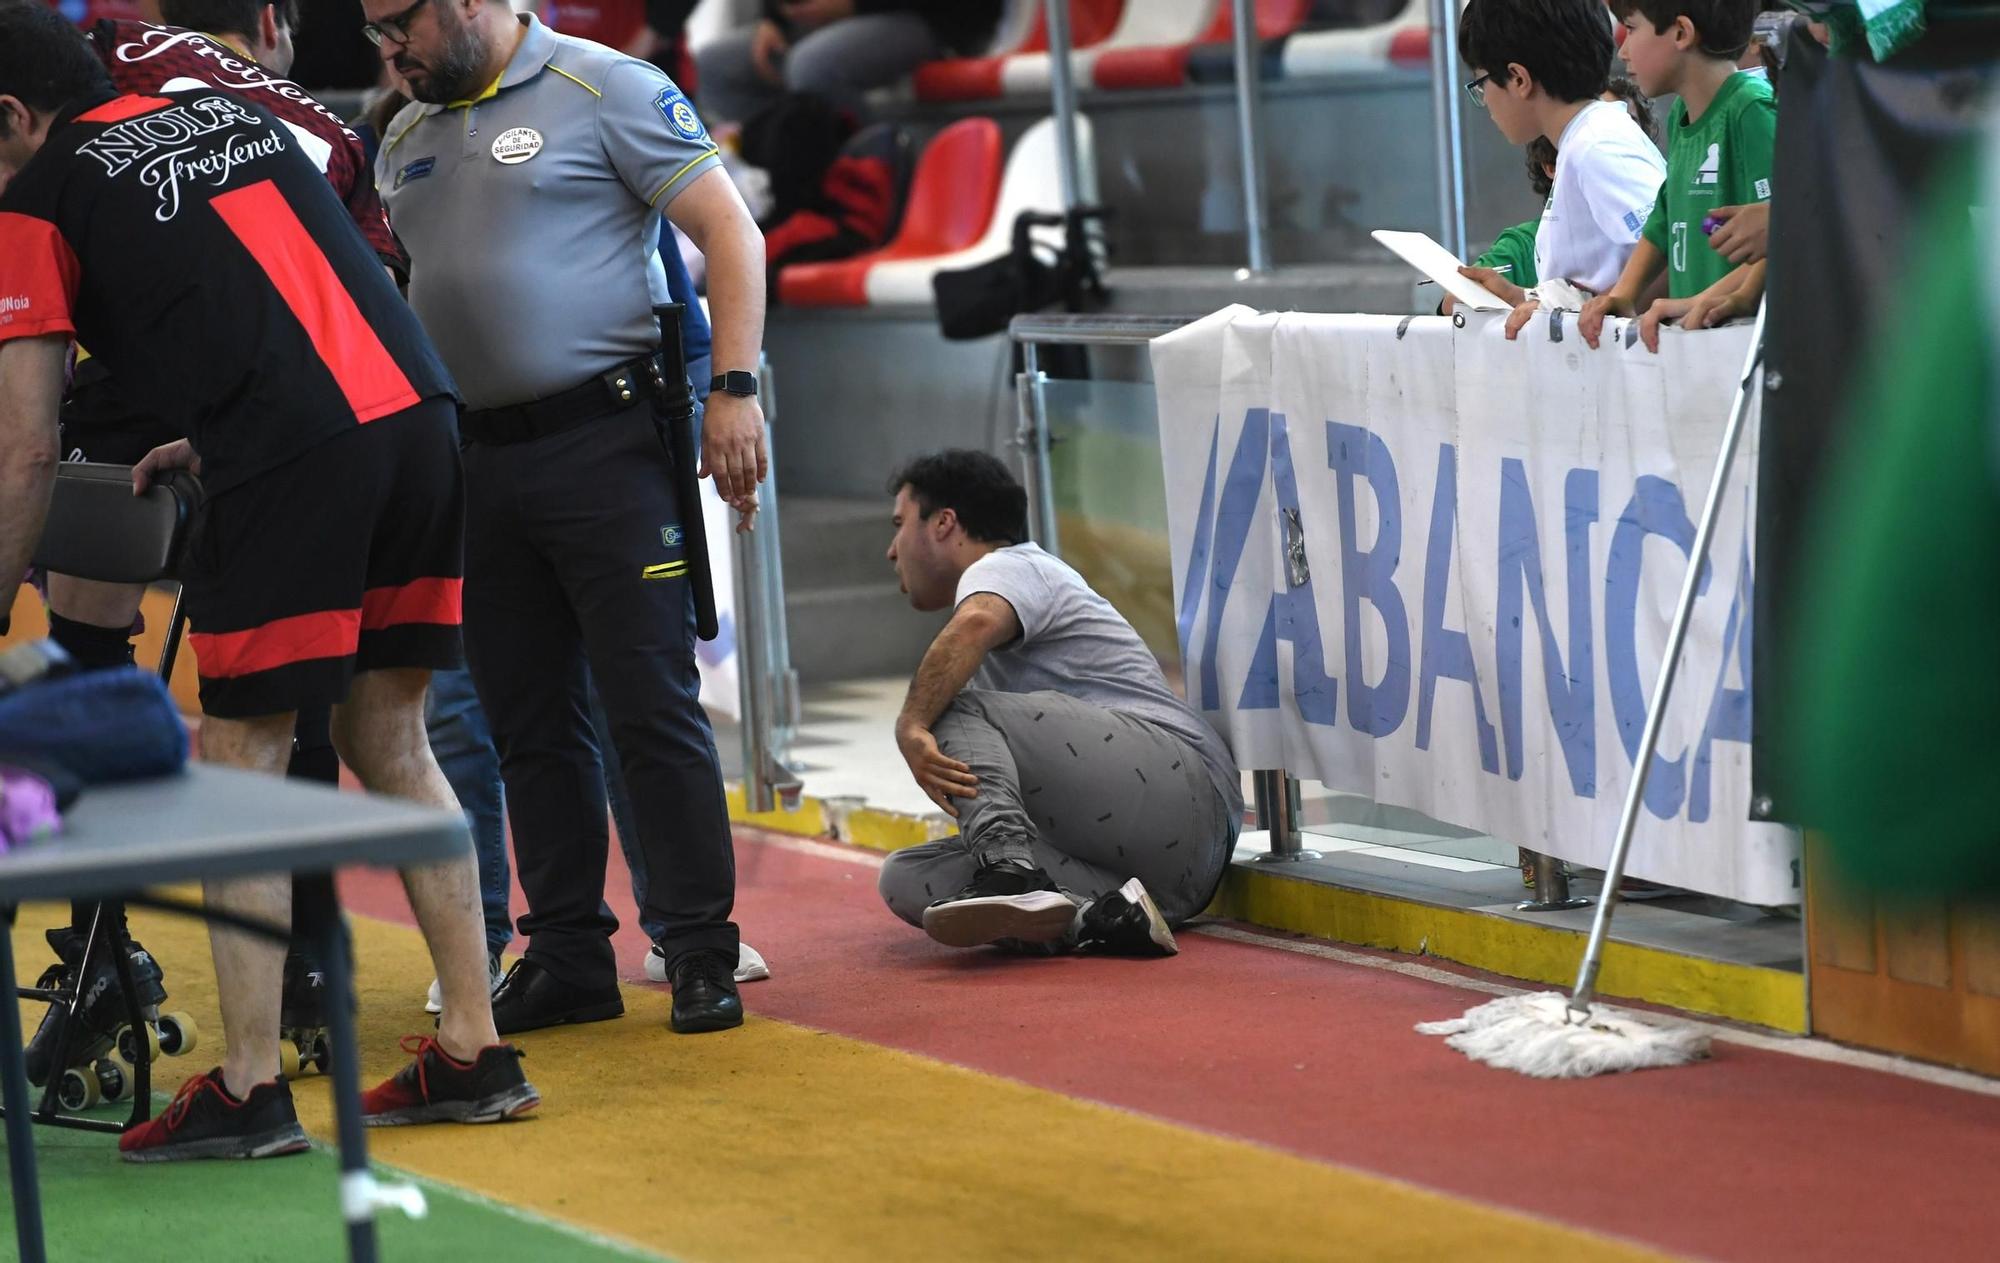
[[463, 744]]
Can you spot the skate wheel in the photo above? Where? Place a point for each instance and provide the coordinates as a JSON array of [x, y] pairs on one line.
[[78, 1089], [288, 1059], [131, 1049], [179, 1036], [322, 1054], [115, 1078]]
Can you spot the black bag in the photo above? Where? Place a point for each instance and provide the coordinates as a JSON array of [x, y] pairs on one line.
[[979, 301]]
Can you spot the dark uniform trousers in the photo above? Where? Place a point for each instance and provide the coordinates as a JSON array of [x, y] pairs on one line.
[[573, 552]]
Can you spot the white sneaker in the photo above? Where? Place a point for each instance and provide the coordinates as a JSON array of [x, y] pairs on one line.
[[434, 999], [750, 966]]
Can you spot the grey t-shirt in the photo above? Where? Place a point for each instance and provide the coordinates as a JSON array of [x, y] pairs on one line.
[[532, 215], [1073, 642]]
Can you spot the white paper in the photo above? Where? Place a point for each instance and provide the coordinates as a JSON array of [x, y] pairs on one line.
[[1422, 253]]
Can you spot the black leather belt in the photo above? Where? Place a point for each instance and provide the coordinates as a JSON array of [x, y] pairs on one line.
[[608, 392]]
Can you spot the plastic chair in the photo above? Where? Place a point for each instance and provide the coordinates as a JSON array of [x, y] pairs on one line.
[[1402, 41], [987, 78], [950, 206], [1032, 182], [1165, 64]]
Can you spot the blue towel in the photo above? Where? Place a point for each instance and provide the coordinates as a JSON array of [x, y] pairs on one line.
[[98, 726]]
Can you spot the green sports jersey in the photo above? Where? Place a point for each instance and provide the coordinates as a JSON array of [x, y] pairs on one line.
[[1721, 159], [1514, 249]]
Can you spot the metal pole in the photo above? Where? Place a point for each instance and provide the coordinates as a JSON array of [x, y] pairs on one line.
[[14, 1090], [1062, 101], [1033, 437], [1250, 136], [1649, 738], [1277, 797], [1551, 888], [1444, 117]]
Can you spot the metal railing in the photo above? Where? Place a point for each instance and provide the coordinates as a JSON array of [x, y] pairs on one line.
[[767, 688], [1275, 791]]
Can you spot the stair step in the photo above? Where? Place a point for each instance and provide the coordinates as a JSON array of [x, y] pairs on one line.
[[855, 630], [835, 542]]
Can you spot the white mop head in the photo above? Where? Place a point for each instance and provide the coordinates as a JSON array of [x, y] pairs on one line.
[[1534, 1035]]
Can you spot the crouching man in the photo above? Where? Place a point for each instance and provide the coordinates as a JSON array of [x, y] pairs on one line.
[[1095, 809]]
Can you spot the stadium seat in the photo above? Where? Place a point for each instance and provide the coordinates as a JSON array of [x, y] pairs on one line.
[[1165, 62], [985, 78], [1402, 41], [1032, 182], [950, 206]]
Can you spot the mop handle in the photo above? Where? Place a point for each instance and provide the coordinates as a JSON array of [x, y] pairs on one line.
[[1649, 738]]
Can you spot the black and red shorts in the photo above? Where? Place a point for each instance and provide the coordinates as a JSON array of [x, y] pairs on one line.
[[348, 559]]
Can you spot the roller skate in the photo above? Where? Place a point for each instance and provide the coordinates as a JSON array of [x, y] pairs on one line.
[[302, 1038], [104, 1046]]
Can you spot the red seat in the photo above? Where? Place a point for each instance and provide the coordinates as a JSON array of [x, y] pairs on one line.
[[951, 202], [979, 78], [1411, 47], [1166, 67]]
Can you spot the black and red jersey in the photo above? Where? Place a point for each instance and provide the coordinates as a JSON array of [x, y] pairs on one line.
[[195, 250], [144, 58]]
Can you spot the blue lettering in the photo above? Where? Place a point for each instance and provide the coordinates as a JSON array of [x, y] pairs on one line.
[[1572, 693], [1728, 709], [1240, 492], [1293, 617], [1655, 509], [1447, 652], [1195, 580], [1376, 709]]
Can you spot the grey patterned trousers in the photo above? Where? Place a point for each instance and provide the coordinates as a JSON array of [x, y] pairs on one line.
[[1090, 796]]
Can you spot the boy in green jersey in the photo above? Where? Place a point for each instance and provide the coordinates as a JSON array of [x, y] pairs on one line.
[[1721, 138]]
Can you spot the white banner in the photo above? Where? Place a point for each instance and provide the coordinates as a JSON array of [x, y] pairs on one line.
[[1436, 567]]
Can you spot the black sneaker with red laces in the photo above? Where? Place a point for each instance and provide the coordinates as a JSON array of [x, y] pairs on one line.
[[204, 1121], [438, 1088]]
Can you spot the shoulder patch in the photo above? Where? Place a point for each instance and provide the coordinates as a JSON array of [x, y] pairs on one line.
[[680, 115]]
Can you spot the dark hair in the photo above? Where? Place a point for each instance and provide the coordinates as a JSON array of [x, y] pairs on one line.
[[1722, 27], [228, 17], [990, 504], [1565, 45], [1542, 150], [45, 61]]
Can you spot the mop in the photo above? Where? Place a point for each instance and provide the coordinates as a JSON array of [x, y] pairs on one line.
[[1550, 1035]]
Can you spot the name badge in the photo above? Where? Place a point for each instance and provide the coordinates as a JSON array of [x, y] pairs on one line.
[[516, 144]]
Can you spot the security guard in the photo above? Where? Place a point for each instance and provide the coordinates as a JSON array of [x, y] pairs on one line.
[[527, 180]]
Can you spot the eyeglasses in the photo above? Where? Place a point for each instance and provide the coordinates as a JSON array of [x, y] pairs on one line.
[[396, 27], [1477, 89]]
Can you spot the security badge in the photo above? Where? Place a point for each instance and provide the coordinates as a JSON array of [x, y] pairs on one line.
[[516, 145]]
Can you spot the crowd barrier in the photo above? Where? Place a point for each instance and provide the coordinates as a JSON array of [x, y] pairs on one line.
[[1416, 561]]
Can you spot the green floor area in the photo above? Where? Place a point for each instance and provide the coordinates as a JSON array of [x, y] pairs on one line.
[[96, 1207]]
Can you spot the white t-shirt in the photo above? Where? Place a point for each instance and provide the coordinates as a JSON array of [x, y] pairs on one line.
[[1608, 176]]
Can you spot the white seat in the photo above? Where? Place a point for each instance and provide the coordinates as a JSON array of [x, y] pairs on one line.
[[1318, 53], [1031, 181], [1143, 24]]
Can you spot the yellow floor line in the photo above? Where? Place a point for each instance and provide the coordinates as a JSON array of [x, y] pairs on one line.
[[782, 1143]]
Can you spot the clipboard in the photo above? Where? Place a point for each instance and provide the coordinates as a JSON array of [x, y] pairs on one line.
[[1424, 254]]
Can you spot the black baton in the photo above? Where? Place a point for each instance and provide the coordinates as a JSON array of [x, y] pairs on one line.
[[673, 415]]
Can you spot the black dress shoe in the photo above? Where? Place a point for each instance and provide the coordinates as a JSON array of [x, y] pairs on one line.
[[705, 996], [531, 997]]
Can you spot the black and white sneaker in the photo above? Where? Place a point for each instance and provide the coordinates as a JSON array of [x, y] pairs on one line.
[[1126, 922], [1004, 903]]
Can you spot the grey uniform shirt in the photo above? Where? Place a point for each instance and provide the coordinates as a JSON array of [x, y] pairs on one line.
[[1073, 642], [532, 214]]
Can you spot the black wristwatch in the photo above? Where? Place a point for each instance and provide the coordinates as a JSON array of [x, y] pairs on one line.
[[737, 383]]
